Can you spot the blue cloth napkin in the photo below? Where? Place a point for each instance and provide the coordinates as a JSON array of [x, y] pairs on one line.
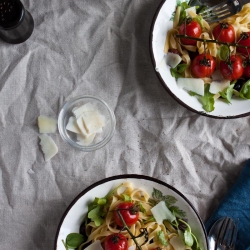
[[236, 205]]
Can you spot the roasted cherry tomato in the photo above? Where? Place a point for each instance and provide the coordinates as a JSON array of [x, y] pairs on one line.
[[224, 32], [116, 242], [232, 69], [246, 66], [203, 65], [193, 29], [129, 212], [244, 40]]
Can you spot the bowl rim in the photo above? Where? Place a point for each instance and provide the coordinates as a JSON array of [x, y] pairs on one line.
[[89, 148], [127, 176], [167, 88]]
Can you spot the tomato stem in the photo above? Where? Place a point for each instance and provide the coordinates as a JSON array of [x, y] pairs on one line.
[[130, 233], [212, 41]]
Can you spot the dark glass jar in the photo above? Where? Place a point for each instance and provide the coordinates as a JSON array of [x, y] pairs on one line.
[[16, 23]]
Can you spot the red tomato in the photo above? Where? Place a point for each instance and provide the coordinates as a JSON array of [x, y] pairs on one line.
[[116, 242], [232, 69], [224, 32], [246, 72], [129, 212], [175, 51], [244, 40], [203, 65], [193, 29]]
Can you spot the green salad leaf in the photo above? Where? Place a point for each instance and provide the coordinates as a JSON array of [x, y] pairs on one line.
[[177, 212], [227, 93], [74, 240], [126, 197], [178, 70], [245, 90], [184, 5], [189, 238], [161, 238], [207, 100], [97, 208]]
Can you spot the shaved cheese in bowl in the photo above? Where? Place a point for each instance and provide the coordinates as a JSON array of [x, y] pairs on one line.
[[72, 125], [49, 147], [86, 123], [46, 124]]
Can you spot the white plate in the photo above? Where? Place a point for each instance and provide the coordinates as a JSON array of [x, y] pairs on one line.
[[160, 25], [74, 214]]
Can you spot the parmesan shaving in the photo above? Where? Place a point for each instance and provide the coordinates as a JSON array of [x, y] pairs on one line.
[[86, 123], [49, 147], [46, 124]]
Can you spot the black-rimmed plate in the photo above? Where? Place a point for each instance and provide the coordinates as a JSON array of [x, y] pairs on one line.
[[77, 210], [159, 28]]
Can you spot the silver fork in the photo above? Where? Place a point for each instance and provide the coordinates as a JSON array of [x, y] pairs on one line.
[[223, 10], [228, 234], [223, 234]]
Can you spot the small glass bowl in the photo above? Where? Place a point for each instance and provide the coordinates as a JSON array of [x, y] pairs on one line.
[[100, 139]]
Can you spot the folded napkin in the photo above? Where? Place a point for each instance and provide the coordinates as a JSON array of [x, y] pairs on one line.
[[236, 205]]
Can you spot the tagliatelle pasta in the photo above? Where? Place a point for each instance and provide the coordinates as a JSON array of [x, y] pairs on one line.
[[240, 22], [145, 221]]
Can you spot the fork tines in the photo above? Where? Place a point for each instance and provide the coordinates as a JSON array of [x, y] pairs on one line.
[[228, 234], [221, 11]]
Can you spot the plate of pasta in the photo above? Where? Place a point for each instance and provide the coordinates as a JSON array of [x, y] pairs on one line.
[[204, 67], [131, 212]]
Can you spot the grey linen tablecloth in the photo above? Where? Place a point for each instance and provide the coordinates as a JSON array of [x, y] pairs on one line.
[[100, 48]]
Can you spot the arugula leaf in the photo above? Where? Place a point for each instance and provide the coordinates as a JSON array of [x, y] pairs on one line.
[[141, 208], [157, 194], [227, 93], [183, 14], [95, 215], [161, 238], [196, 245], [199, 19], [126, 197], [178, 70], [207, 100], [177, 212], [169, 200], [184, 5], [245, 90], [192, 93], [74, 240], [189, 241], [189, 237], [97, 208]]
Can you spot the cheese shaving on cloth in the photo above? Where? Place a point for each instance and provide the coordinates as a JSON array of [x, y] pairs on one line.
[[49, 147]]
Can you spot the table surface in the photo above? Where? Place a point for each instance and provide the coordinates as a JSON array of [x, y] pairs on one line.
[[100, 48]]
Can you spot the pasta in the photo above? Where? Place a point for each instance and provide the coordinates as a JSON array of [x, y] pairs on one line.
[[240, 22], [138, 196]]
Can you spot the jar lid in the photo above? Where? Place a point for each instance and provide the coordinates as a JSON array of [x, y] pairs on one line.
[[11, 13]]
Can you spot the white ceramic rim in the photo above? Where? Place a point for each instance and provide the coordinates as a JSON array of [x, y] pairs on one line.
[[71, 142], [224, 112], [130, 176]]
